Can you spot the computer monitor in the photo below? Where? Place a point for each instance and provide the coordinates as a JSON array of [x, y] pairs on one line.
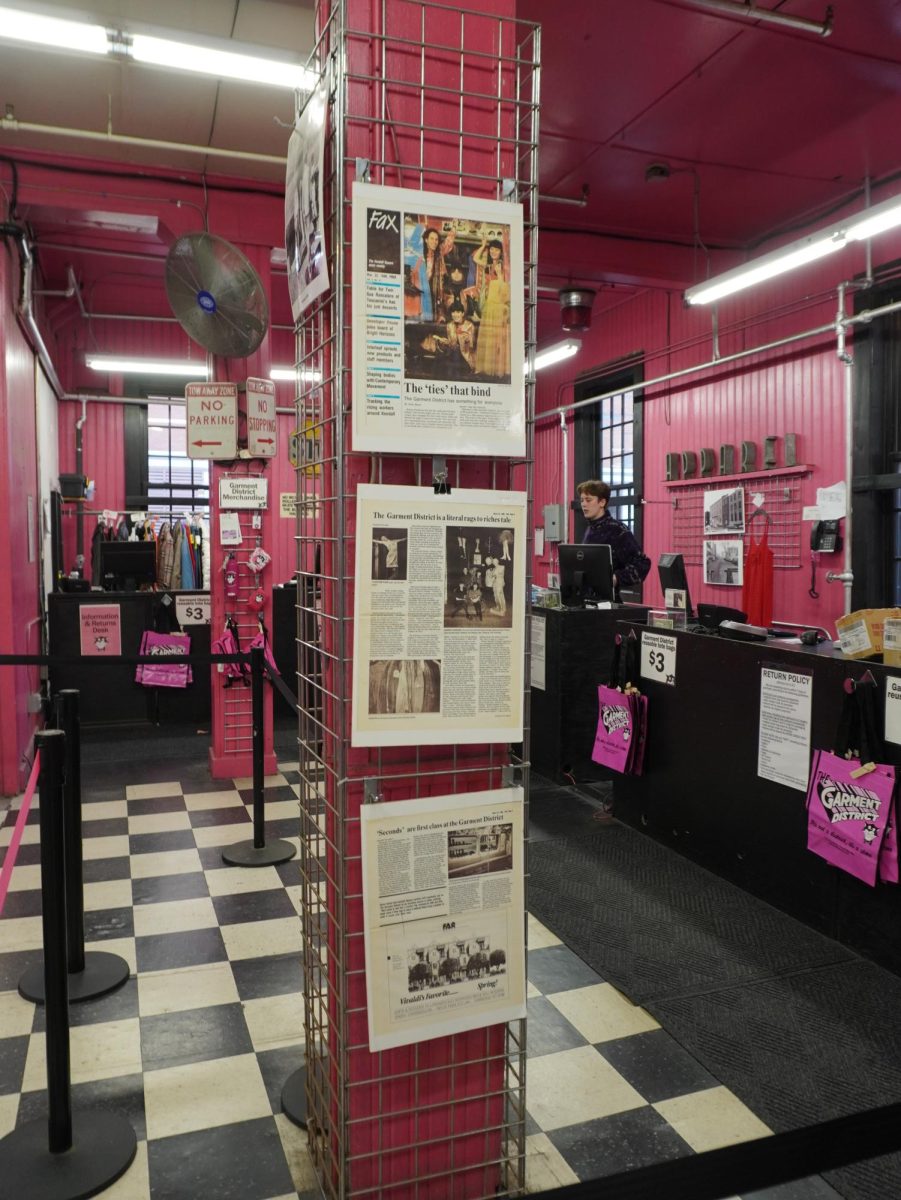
[[125, 565], [671, 572], [586, 574]]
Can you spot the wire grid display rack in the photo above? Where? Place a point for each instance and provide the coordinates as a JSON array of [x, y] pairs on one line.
[[429, 97], [774, 493]]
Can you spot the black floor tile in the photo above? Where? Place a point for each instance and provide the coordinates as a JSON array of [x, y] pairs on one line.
[[101, 870], [557, 969], [13, 965], [276, 1066], [123, 1095], [234, 814], [107, 827], [163, 951], [289, 872], [271, 794], [655, 1065], [101, 792], [13, 1051], [253, 906], [244, 1161], [157, 843], [277, 975], [149, 807], [109, 923], [120, 1005], [157, 888], [23, 904], [284, 827], [813, 1188], [549, 1031], [622, 1142], [173, 1039], [28, 856]]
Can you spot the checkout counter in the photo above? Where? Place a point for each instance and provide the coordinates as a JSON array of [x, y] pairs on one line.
[[702, 795], [109, 693]]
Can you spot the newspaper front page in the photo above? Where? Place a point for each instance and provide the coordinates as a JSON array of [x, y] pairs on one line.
[[444, 915], [439, 617], [438, 323]]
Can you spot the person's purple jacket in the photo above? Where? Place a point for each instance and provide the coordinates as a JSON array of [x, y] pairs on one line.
[[630, 565]]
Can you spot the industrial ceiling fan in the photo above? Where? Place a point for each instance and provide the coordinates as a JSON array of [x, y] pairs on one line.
[[216, 295]]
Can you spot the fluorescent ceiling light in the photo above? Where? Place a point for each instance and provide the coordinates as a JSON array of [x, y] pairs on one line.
[[291, 374], [557, 353], [226, 61], [224, 64], [21, 26], [854, 228], [147, 366]]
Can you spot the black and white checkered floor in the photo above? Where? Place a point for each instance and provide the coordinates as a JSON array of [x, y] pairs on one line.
[[195, 1048]]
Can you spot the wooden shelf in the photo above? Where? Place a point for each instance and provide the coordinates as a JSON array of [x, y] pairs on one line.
[[710, 481]]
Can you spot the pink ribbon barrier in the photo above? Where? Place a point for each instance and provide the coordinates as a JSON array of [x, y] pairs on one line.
[[13, 849]]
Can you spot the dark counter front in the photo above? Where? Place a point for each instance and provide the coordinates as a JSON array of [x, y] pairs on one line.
[[109, 694], [701, 793], [564, 713]]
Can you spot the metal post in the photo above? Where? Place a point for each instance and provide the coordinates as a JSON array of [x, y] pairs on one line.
[[67, 720], [256, 697], [52, 746], [96, 972], [257, 853]]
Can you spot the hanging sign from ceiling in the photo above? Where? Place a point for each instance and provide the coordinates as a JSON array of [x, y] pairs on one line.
[[212, 420], [262, 426]]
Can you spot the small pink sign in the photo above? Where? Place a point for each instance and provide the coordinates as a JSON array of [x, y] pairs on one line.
[[101, 630]]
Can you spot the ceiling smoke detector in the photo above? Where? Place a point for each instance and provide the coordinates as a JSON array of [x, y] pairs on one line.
[[656, 170], [575, 309]]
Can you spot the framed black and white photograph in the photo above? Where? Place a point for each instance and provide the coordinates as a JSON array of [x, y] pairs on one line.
[[724, 562], [724, 511], [389, 553]]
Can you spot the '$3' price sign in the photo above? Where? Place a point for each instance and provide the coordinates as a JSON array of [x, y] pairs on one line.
[[658, 657]]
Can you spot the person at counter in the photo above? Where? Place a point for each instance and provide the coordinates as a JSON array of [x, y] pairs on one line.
[[630, 564]]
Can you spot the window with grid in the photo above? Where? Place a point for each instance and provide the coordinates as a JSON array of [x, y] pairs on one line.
[[176, 484], [608, 442], [616, 428]]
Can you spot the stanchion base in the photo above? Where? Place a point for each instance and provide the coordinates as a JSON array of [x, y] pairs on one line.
[[294, 1097], [103, 1148], [246, 854], [102, 973]]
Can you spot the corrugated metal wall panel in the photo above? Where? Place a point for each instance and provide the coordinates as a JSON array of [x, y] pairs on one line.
[[797, 389]]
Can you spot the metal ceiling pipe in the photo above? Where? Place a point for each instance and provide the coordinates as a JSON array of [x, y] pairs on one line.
[[122, 139], [749, 10], [26, 311]]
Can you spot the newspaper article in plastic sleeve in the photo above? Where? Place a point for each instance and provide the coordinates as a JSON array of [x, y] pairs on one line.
[[443, 915], [438, 323], [439, 617], [304, 233]]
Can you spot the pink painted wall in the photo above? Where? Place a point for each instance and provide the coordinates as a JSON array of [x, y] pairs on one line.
[[797, 389], [20, 630]]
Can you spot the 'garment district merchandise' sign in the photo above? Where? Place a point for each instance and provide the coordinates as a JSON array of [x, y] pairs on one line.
[[212, 420], [243, 491], [262, 425]]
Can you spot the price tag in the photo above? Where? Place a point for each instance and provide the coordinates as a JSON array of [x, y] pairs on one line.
[[192, 610], [658, 657]]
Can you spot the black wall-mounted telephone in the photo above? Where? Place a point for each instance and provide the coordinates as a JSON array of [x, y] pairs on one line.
[[824, 537]]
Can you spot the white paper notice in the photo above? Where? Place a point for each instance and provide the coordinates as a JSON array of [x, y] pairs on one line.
[[832, 502], [438, 347], [539, 541], [439, 616], [658, 657], [539, 639], [783, 746], [230, 529], [893, 709], [443, 913]]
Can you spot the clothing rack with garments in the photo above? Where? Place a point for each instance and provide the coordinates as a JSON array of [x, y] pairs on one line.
[[182, 554]]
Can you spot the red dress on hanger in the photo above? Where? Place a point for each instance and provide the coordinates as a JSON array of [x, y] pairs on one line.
[[757, 593]]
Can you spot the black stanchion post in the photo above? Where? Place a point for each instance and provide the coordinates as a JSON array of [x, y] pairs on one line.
[[52, 747], [64, 1157], [67, 720], [256, 696], [96, 972], [258, 853]]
